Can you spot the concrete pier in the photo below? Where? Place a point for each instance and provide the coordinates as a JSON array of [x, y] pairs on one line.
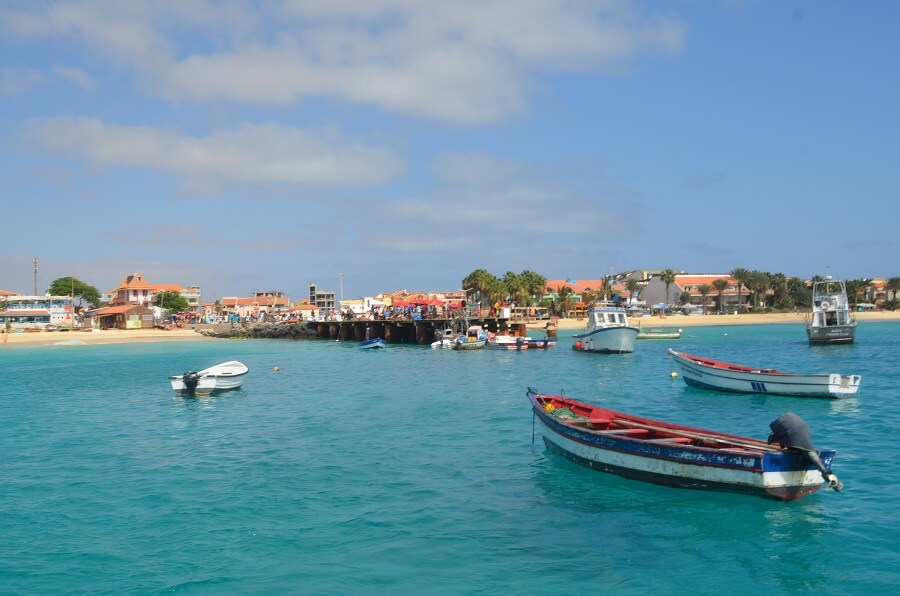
[[422, 331]]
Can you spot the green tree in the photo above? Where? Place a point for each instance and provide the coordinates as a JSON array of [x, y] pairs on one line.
[[564, 293], [668, 277], [800, 294], [892, 285], [534, 284], [515, 287], [779, 286], [70, 286], [632, 285], [170, 302], [483, 284], [758, 284], [856, 289], [704, 290], [720, 285], [685, 298], [741, 276]]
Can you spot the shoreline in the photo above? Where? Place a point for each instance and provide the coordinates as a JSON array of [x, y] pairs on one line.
[[116, 336], [681, 321]]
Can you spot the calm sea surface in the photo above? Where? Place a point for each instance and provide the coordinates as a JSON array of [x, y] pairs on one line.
[[411, 470]]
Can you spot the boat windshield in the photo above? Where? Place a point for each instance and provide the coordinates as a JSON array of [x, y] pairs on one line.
[[610, 318]]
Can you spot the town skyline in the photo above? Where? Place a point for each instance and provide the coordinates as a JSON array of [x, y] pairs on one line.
[[617, 276]]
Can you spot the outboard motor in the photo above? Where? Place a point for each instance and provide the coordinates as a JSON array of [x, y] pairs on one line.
[[190, 380], [791, 432]]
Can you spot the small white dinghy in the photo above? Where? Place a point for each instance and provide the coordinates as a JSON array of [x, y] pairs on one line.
[[221, 377]]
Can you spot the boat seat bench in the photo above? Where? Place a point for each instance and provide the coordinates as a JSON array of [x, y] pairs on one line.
[[625, 431], [671, 440]]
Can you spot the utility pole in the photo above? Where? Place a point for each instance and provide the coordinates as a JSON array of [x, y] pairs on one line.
[[35, 267], [341, 275]]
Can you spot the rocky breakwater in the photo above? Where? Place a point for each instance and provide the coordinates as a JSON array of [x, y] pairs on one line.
[[262, 331]]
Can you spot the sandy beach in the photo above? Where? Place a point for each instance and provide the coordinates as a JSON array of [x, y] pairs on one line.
[[106, 336]]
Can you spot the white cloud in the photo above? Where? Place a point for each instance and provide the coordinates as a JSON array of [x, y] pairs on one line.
[[470, 61], [255, 154], [510, 206], [77, 76]]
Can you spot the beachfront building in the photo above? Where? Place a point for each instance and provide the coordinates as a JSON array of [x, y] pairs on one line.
[[135, 289], [304, 311], [123, 316], [582, 293], [654, 293], [258, 305], [36, 312], [321, 299]]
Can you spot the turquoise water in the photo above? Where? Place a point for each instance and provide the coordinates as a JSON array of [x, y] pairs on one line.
[[411, 470]]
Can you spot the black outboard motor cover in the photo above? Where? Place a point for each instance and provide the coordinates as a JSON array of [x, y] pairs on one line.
[[190, 380], [790, 431]]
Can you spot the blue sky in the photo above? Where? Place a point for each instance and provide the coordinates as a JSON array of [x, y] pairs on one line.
[[263, 146]]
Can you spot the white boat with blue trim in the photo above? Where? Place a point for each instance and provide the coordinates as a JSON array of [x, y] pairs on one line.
[[607, 331], [474, 338], [706, 373]]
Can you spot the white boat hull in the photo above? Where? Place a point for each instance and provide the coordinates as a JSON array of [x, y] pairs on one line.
[[702, 376], [508, 342], [830, 321], [608, 340], [443, 343], [470, 344], [221, 377], [637, 466]]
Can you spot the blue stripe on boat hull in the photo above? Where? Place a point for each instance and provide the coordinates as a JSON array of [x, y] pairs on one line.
[[780, 493]]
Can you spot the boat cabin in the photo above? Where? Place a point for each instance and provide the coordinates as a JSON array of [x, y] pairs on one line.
[[608, 316]]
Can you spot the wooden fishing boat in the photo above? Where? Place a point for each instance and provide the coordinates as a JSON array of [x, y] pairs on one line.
[[375, 342], [507, 342], [541, 342], [787, 467], [221, 377], [706, 373], [658, 333]]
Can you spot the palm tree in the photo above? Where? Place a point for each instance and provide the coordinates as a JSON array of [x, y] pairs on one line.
[[668, 277], [632, 284], [741, 276], [534, 284], [564, 292], [704, 292], [892, 285], [514, 285], [720, 285], [855, 289], [758, 284], [482, 283]]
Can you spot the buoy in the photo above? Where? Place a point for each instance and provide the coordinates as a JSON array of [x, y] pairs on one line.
[[275, 368], [578, 345], [673, 374]]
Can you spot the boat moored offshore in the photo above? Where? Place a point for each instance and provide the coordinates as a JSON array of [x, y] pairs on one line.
[[830, 321]]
